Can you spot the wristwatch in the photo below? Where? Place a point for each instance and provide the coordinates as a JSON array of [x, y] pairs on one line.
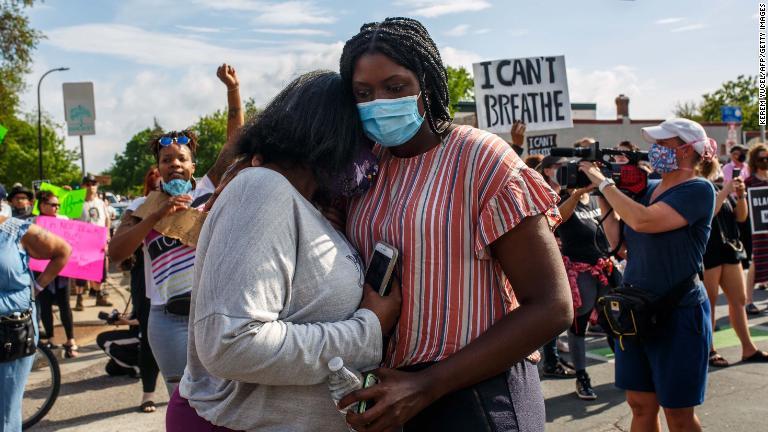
[[605, 183]]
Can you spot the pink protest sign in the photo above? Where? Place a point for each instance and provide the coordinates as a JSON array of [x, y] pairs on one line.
[[88, 243]]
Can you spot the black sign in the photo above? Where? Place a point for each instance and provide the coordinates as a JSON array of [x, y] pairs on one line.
[[758, 209], [541, 144]]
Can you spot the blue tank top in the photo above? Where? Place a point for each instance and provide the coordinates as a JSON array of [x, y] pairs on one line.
[[15, 278]]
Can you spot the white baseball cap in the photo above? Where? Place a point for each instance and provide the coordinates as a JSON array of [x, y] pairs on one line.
[[687, 130]]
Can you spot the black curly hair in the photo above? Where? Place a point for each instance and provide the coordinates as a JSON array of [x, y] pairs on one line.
[[312, 122], [407, 42], [154, 143]]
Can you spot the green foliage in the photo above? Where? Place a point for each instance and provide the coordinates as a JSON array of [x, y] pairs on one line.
[[129, 167], [460, 86], [741, 92], [19, 153], [17, 41]]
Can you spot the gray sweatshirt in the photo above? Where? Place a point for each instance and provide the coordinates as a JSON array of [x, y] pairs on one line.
[[275, 296]]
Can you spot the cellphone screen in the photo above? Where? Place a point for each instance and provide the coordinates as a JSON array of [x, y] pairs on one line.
[[736, 172], [377, 270]]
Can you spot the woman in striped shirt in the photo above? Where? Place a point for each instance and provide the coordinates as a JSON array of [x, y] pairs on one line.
[[471, 221]]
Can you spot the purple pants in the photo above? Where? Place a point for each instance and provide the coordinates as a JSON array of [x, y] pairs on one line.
[[180, 417]]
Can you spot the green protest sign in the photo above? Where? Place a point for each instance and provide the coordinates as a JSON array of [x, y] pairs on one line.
[[71, 201], [3, 131]]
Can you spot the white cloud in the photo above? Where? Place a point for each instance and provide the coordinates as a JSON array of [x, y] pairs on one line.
[[482, 31], [603, 85], [176, 92], [456, 58], [295, 32], [236, 5], [691, 27], [199, 29], [294, 13], [459, 30], [664, 21], [434, 8]]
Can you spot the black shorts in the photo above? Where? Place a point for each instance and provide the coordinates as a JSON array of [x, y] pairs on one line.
[[719, 255], [511, 401]]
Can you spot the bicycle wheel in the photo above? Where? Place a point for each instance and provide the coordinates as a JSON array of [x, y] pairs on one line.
[[42, 387]]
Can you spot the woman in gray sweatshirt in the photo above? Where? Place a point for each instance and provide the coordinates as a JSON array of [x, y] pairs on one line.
[[277, 289]]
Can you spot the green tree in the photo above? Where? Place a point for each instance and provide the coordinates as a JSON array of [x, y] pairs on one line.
[[741, 92], [460, 86], [130, 166], [19, 153], [17, 41]]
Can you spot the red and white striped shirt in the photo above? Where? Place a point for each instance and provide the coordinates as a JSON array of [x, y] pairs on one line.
[[442, 209]]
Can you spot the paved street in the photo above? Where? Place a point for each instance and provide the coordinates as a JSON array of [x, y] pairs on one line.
[[736, 396]]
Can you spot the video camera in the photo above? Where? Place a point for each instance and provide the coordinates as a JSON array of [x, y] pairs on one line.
[[629, 177], [110, 318]]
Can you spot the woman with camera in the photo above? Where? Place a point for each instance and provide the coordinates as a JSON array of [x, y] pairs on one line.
[[666, 235], [722, 261]]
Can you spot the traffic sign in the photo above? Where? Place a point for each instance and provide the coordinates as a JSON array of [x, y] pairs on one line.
[[731, 114]]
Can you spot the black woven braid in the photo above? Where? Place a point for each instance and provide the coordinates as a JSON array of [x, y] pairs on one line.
[[408, 44]]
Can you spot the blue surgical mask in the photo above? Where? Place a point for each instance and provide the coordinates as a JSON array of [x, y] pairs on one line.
[[663, 159], [391, 122], [177, 187]]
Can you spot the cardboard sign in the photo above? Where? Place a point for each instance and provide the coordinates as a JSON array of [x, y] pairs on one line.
[[71, 201], [534, 90], [542, 144], [79, 108], [88, 244], [758, 209], [184, 225]]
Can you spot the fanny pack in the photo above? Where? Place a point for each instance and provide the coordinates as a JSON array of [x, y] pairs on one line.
[[179, 304], [629, 310], [17, 336]]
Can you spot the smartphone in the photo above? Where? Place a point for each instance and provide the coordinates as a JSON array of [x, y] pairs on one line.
[[370, 380], [380, 269], [736, 173]]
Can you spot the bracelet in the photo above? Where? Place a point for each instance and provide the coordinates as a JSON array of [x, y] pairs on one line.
[[234, 89]]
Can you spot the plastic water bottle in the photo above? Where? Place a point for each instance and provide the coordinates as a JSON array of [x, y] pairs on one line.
[[342, 381]]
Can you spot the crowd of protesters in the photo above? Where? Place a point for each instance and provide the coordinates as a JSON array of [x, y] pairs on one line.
[[242, 324]]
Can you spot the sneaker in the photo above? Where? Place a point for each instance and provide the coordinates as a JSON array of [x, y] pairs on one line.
[[79, 304], [558, 370], [584, 387], [102, 301], [752, 309]]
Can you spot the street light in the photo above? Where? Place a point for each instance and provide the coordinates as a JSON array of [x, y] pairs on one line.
[[39, 122]]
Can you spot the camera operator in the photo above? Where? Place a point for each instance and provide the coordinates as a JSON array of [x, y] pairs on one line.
[[666, 234], [586, 254]]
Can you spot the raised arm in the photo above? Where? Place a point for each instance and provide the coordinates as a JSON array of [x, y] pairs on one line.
[[235, 121], [44, 245]]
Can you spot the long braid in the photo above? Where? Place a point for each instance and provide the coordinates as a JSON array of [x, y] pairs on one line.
[[406, 42]]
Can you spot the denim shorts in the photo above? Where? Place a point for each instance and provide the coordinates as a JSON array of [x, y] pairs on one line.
[[509, 402], [673, 364]]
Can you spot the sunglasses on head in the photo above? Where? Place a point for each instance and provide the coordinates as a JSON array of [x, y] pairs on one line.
[[166, 140]]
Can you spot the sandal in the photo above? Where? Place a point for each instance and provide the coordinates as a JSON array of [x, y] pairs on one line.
[[147, 407], [70, 351], [757, 357], [752, 309], [716, 360]]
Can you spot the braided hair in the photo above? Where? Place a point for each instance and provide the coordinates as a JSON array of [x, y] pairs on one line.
[[407, 42]]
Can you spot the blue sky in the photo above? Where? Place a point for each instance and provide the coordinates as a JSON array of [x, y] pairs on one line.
[[157, 58]]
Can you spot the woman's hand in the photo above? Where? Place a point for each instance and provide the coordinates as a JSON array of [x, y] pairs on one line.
[[592, 171], [398, 397], [172, 205], [739, 188], [386, 308], [227, 75]]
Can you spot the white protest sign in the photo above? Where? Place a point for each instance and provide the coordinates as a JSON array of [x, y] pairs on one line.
[[79, 108], [534, 90]]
